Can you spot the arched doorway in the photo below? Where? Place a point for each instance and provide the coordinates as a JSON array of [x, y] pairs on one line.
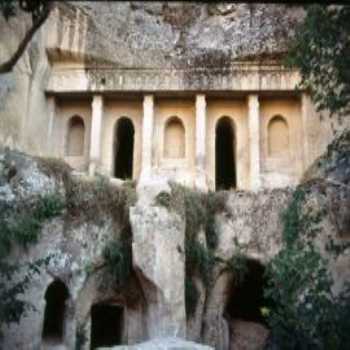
[[56, 296], [225, 168], [123, 149]]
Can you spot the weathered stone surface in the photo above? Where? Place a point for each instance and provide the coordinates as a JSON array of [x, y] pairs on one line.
[[156, 304], [327, 192], [158, 246], [149, 46], [162, 344], [248, 335], [172, 33], [254, 219]]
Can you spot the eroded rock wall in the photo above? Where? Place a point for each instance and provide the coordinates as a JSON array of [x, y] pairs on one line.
[[154, 297]]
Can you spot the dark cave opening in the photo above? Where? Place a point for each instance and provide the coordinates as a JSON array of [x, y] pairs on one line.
[[225, 169], [56, 296], [106, 325], [124, 149], [247, 298]]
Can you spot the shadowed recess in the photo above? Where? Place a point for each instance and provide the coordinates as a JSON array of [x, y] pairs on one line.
[[124, 149], [56, 296], [247, 298], [225, 169], [106, 325]]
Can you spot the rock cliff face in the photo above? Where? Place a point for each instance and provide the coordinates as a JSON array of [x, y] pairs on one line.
[[174, 34], [103, 224], [96, 213]]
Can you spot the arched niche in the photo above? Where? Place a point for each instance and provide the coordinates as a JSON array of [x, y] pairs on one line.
[[174, 139], [278, 137], [123, 148], [75, 136], [225, 150], [56, 297]]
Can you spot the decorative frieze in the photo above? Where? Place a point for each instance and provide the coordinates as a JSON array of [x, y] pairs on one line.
[[250, 78]]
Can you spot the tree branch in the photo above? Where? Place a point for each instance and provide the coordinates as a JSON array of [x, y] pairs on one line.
[[8, 65]]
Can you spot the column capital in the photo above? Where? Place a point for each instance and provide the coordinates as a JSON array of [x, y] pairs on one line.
[[97, 101], [253, 100], [201, 100], [148, 98]]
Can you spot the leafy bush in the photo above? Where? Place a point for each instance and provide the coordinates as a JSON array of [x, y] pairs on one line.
[[92, 199], [318, 50], [305, 313]]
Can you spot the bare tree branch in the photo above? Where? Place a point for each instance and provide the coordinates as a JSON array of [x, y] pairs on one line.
[[8, 65]]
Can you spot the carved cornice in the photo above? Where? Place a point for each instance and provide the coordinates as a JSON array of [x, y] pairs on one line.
[[239, 77]]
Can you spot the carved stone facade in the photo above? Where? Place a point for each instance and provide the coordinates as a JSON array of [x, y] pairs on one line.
[[89, 76], [175, 123]]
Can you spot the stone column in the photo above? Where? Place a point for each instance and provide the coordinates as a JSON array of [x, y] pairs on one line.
[[50, 139], [304, 119], [95, 138], [200, 176], [147, 135], [254, 141]]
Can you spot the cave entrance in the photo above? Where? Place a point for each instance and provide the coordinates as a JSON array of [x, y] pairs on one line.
[[248, 328], [247, 298], [225, 169], [56, 296], [123, 148], [107, 322]]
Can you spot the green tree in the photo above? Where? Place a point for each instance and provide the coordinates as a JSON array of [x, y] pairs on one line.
[[321, 51], [39, 10]]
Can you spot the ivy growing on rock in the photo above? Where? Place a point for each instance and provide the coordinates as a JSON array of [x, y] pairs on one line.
[[320, 51], [117, 255], [305, 312], [20, 226], [199, 210]]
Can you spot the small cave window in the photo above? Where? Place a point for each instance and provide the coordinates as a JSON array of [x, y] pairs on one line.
[[107, 322], [56, 296], [123, 148], [75, 137], [278, 137], [174, 139], [225, 164]]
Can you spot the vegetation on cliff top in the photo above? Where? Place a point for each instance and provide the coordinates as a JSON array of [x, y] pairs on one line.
[[320, 51]]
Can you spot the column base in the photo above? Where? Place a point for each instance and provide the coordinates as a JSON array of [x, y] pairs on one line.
[[200, 181]]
